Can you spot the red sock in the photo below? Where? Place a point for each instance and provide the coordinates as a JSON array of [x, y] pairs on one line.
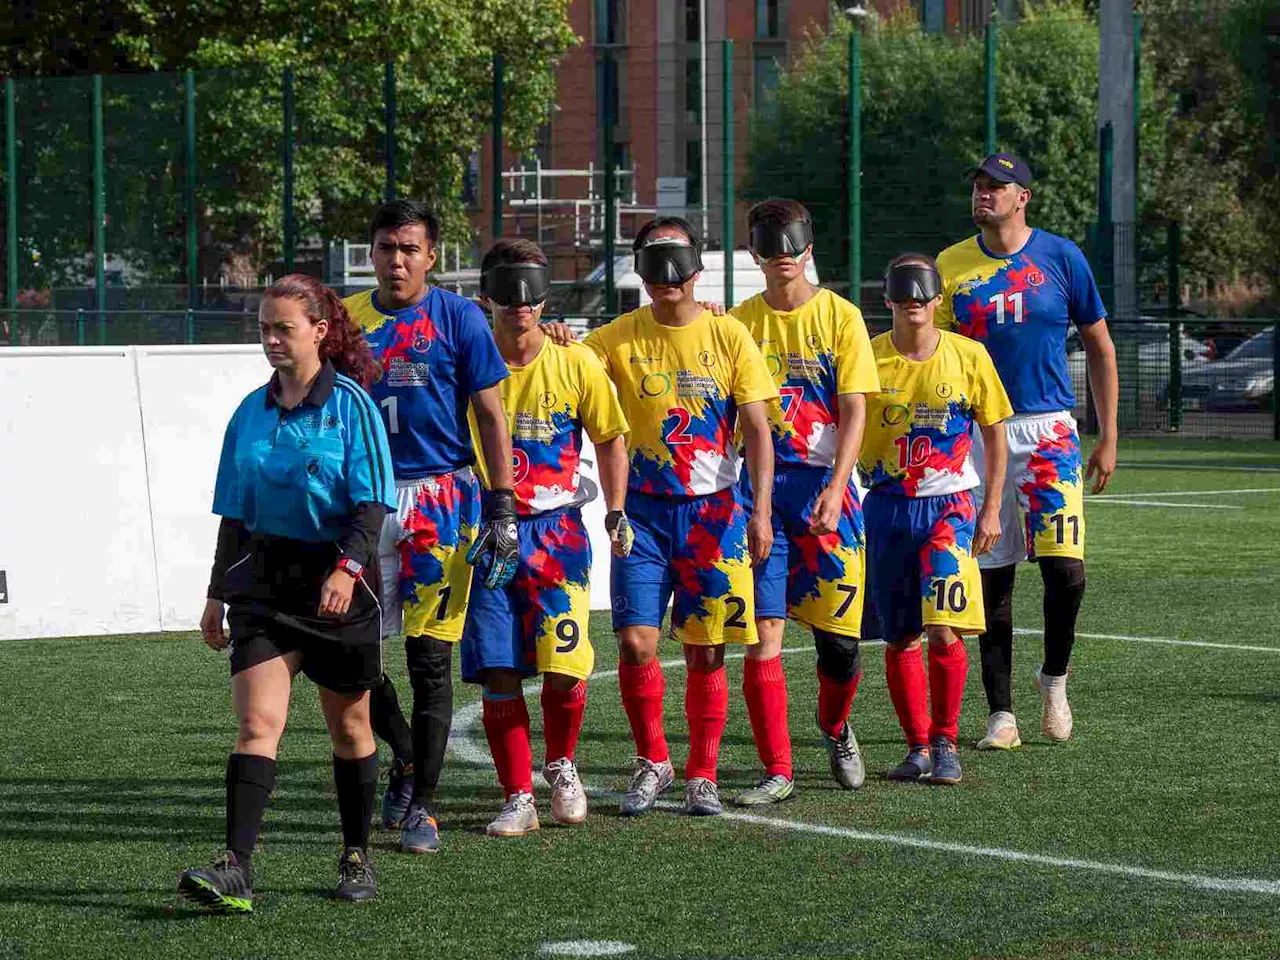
[[562, 718], [909, 692], [642, 692], [948, 668], [506, 724], [764, 686], [706, 707], [834, 700]]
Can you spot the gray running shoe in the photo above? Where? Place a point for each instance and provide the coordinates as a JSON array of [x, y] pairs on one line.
[[702, 798], [649, 780], [518, 817], [946, 762], [772, 789], [846, 759], [916, 767]]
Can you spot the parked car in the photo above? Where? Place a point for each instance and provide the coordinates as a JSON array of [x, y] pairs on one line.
[[1153, 357], [1245, 379]]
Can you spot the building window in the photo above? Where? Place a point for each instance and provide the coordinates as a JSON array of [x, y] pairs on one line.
[[611, 21], [767, 19], [693, 171], [765, 77], [471, 180], [693, 89], [933, 15], [692, 21]]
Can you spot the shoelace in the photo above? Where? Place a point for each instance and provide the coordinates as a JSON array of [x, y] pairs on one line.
[[224, 863], [354, 868], [517, 803], [844, 746], [703, 790], [645, 779], [566, 778]]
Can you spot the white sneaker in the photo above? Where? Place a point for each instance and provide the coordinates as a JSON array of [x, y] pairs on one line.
[[649, 780], [518, 817], [1002, 732], [568, 799], [1055, 717]]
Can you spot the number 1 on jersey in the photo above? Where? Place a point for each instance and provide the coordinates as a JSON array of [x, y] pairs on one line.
[[392, 405]]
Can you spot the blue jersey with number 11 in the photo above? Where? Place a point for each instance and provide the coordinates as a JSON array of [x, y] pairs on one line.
[[1021, 307]]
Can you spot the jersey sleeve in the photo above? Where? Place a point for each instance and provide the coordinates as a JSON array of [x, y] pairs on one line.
[[990, 402], [598, 343], [598, 404], [226, 489], [480, 365], [1084, 302], [855, 364], [368, 455], [944, 318], [751, 380]]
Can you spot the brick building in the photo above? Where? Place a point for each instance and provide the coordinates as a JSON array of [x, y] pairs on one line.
[[554, 193]]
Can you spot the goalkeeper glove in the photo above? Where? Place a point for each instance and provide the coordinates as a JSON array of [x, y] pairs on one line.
[[497, 537]]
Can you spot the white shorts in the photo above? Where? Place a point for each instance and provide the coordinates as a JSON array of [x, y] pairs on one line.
[[1042, 512]]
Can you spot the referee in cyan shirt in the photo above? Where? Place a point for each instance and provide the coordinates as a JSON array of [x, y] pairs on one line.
[[303, 486]]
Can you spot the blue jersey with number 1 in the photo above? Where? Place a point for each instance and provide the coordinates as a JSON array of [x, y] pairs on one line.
[[1021, 307], [434, 355]]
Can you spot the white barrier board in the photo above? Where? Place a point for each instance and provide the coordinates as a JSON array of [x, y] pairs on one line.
[[75, 522], [188, 394], [107, 464]]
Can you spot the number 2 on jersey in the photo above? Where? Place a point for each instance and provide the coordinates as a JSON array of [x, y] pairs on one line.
[[679, 432]]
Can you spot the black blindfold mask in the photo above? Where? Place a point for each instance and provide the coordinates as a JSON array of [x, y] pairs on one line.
[[668, 264], [771, 241], [514, 284], [912, 281]]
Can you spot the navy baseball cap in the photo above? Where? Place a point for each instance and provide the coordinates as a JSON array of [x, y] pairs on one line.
[[1004, 167]]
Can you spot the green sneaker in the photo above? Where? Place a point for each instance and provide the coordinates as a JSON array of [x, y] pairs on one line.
[[223, 887], [774, 789]]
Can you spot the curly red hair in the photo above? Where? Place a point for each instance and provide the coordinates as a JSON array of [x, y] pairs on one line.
[[344, 345]]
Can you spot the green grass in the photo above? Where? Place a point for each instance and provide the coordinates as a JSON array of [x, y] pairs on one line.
[[111, 782]]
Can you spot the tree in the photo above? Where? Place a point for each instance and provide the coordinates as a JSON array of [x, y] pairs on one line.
[[443, 51]]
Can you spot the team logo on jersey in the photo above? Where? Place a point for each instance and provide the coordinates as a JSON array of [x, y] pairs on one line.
[[655, 384], [421, 343], [331, 421], [547, 400], [1035, 277], [814, 341], [945, 390], [707, 358], [894, 414], [775, 365]]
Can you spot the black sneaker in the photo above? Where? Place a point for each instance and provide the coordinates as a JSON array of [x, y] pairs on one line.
[[395, 803], [356, 879], [224, 887]]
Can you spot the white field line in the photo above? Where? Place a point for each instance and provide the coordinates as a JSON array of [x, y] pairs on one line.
[[1166, 503], [467, 750], [1198, 468], [1180, 493], [1168, 641]]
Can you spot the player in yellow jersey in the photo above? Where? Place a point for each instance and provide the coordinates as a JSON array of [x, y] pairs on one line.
[[538, 623], [923, 531], [686, 379], [816, 347], [1018, 290]]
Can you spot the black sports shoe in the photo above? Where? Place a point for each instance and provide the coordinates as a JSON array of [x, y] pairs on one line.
[[356, 880], [224, 887]]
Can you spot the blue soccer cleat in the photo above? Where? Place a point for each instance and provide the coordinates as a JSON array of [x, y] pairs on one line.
[[946, 762], [420, 833], [395, 802], [914, 768]]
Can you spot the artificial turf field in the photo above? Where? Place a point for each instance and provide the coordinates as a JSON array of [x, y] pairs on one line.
[[1151, 834]]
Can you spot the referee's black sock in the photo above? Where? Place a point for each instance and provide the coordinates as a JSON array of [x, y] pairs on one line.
[[389, 724], [357, 784], [997, 643], [250, 780], [430, 664], [1063, 590]]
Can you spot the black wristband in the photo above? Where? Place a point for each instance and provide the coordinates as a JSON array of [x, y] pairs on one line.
[[499, 504]]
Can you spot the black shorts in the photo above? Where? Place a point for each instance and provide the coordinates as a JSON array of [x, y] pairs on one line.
[[273, 593]]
